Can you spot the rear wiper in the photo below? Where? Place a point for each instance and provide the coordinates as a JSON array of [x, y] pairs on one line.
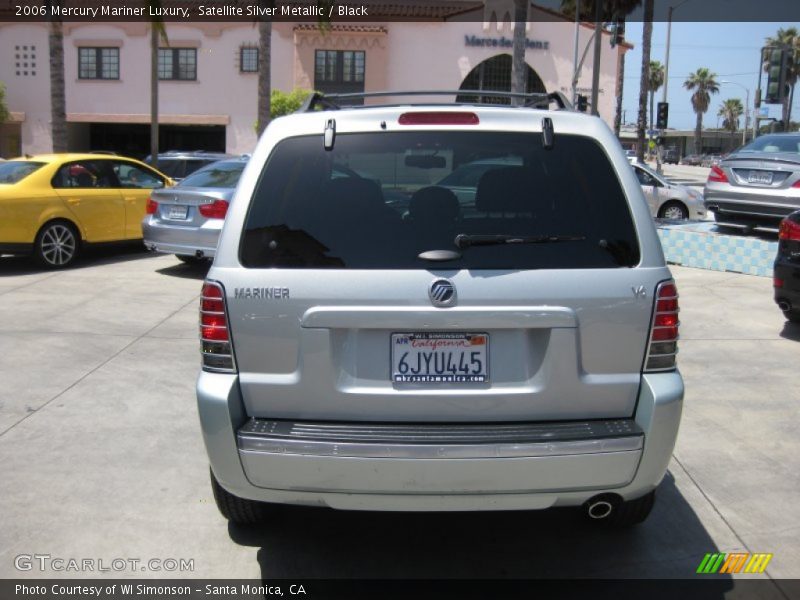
[[464, 240]]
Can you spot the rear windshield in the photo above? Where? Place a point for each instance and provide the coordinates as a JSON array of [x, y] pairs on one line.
[[222, 174], [380, 200], [14, 171], [773, 143]]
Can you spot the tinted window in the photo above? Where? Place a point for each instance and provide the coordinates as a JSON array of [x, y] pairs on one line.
[[17, 170], [223, 174], [304, 214], [85, 174], [171, 168], [134, 176], [774, 143]]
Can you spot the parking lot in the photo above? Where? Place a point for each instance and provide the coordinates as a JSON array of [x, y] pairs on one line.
[[102, 456]]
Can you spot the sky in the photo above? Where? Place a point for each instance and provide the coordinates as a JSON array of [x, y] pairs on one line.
[[731, 50]]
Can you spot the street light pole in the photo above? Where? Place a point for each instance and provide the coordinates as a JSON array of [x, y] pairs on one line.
[[666, 58], [746, 108]]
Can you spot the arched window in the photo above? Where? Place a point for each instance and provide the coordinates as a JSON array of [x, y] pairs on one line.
[[495, 74]]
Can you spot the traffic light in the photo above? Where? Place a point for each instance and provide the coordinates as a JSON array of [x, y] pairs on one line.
[[583, 103], [777, 63], [662, 115]]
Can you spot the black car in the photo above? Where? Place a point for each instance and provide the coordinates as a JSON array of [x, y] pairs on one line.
[[787, 268]]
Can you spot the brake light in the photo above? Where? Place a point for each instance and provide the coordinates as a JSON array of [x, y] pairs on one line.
[[717, 174], [777, 282], [216, 210], [217, 354], [664, 330], [438, 118], [151, 207], [789, 230], [796, 184]]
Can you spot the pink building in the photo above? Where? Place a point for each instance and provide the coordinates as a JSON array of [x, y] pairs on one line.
[[209, 72]]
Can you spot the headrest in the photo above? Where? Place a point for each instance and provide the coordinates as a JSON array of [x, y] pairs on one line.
[[507, 189], [433, 204], [353, 194]]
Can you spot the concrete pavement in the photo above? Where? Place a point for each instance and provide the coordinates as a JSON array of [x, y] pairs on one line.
[[102, 456]]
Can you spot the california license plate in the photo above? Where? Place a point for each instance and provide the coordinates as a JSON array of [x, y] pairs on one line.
[[176, 211], [440, 357], [762, 177]]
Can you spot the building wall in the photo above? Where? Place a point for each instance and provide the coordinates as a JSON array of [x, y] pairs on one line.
[[399, 55]]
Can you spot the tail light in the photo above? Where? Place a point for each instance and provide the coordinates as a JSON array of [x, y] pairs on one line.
[[216, 210], [664, 330], [796, 184], [789, 230], [717, 174], [151, 207], [215, 337], [438, 118], [777, 282]]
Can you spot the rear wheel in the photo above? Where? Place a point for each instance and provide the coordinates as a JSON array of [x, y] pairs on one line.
[[56, 245], [673, 210], [238, 510]]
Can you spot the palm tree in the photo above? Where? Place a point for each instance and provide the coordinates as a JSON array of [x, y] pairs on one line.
[[654, 83], [518, 70], [730, 111], [647, 36], [264, 89], [58, 102], [789, 38], [704, 83], [158, 31]]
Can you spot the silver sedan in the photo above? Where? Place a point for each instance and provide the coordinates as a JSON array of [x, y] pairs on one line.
[[669, 200], [186, 220], [758, 185]]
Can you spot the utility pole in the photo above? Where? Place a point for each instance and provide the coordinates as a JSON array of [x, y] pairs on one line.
[[598, 40], [575, 56]]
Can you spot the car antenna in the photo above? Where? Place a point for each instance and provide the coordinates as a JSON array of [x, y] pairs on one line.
[[329, 136], [547, 133]]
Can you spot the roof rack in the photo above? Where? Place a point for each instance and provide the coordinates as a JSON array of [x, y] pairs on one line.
[[318, 100]]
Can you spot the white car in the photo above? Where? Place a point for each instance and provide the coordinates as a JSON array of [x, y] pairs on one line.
[[669, 200]]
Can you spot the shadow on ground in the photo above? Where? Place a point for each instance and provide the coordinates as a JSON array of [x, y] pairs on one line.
[[91, 256], [791, 331], [197, 270], [557, 543]]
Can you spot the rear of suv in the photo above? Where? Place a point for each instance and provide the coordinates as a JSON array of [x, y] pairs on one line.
[[371, 341]]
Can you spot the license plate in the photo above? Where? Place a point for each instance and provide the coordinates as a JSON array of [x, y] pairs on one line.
[[440, 357], [762, 177], [177, 211]]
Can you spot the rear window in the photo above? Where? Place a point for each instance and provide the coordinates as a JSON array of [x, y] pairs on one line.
[[223, 174], [14, 171], [380, 200], [773, 143]]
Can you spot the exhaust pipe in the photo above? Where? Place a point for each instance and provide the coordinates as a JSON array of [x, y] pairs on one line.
[[199, 254], [785, 305], [601, 507]]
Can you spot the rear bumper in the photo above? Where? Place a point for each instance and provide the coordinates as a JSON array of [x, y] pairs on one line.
[[180, 239], [628, 457], [738, 208], [789, 272]]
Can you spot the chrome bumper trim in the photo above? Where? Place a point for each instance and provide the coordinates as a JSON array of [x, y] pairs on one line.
[[445, 441]]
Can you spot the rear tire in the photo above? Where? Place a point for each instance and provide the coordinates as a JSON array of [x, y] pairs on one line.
[[238, 510], [57, 245], [673, 210], [632, 512]]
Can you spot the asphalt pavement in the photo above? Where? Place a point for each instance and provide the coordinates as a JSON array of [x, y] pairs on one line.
[[102, 456]]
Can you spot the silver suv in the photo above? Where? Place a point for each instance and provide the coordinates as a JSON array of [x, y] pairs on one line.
[[371, 341]]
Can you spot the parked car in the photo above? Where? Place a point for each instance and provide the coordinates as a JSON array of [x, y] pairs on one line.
[[186, 220], [52, 204], [517, 353], [693, 160], [670, 156], [758, 185], [179, 164], [787, 268], [669, 200]]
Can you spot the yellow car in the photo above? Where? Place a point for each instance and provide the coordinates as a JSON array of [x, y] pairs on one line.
[[52, 204]]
